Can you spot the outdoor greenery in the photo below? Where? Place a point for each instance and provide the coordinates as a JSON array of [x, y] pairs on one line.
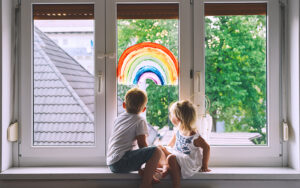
[[235, 69], [164, 32], [236, 72], [159, 99]]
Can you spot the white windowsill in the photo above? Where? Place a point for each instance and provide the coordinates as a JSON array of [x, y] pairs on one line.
[[103, 173]]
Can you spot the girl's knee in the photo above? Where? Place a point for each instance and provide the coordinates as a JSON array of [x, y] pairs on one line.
[[171, 159]]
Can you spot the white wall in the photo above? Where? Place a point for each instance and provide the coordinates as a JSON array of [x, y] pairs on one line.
[[293, 86], [6, 79]]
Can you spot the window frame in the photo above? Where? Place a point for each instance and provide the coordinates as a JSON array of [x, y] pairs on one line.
[[29, 155], [185, 52], [191, 36], [270, 155]]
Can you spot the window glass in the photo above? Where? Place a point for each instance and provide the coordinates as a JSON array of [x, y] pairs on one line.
[[236, 73], [63, 83], [148, 59]]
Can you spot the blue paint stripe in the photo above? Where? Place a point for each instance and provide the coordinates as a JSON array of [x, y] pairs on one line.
[[145, 69]]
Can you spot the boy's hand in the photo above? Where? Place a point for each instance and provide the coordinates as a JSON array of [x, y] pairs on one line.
[[204, 169]]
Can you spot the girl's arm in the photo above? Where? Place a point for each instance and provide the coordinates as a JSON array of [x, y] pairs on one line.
[[200, 142], [172, 141]]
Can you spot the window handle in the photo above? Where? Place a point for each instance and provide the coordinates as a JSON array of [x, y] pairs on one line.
[[100, 78], [111, 56], [100, 56]]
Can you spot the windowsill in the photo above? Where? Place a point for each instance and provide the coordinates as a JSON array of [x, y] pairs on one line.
[[103, 173]]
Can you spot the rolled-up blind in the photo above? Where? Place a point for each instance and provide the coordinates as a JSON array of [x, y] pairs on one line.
[[226, 9], [148, 11], [63, 11]]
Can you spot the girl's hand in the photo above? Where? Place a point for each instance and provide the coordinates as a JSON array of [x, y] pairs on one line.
[[204, 169]]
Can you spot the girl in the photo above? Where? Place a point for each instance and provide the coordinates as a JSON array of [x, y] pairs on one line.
[[183, 153]]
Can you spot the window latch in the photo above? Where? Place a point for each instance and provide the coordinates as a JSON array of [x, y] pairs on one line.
[[99, 76], [285, 131], [12, 132]]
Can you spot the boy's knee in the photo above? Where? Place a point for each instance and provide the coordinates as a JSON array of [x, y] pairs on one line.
[[160, 147], [157, 153]]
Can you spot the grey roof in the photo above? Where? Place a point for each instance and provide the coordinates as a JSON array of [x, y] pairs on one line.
[[76, 75], [63, 96]]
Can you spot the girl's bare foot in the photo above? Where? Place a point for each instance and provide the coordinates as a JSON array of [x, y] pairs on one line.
[[165, 170]]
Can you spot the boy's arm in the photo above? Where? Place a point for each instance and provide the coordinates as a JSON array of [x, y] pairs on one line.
[[200, 142], [141, 141]]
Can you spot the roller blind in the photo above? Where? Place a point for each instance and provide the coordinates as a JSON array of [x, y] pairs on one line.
[[63, 11], [226, 9], [148, 11]]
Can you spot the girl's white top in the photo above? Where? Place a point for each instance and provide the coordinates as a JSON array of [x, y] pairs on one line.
[[189, 157]]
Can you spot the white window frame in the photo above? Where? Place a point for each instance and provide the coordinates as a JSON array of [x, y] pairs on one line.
[[191, 52], [270, 155], [185, 52], [30, 155]]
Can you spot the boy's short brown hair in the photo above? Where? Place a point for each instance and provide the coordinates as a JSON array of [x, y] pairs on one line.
[[135, 100]]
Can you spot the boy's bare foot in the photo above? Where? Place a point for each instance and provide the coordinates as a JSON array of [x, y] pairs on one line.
[[156, 176]]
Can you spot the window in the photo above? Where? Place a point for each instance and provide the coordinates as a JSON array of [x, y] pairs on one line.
[[65, 123], [154, 58], [172, 50], [148, 59], [235, 72], [238, 59]]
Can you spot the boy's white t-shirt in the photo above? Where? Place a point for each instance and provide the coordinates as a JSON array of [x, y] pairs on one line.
[[127, 127]]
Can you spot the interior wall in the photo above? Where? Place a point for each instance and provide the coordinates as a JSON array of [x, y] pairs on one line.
[[6, 79], [293, 83]]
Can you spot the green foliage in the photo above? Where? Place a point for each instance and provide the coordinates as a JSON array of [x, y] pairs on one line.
[[122, 89], [161, 31], [236, 71], [159, 99]]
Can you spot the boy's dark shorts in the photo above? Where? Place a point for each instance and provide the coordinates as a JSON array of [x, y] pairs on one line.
[[132, 160]]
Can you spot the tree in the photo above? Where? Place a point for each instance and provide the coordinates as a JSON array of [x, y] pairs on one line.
[[236, 71], [159, 99], [164, 32], [161, 31], [235, 68]]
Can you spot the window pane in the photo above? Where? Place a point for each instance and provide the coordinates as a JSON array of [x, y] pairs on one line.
[[236, 79], [63, 69], [147, 58]]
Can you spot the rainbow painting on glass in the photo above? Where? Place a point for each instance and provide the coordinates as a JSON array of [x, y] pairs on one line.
[[147, 60]]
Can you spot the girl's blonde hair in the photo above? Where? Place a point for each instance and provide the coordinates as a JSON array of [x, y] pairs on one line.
[[185, 112]]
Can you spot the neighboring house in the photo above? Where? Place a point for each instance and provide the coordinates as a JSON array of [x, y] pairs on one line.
[[63, 96], [76, 37]]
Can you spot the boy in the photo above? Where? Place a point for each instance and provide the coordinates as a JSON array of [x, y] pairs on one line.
[[129, 127]]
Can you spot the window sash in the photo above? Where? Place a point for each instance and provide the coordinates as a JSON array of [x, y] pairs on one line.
[[185, 51], [269, 155], [30, 155]]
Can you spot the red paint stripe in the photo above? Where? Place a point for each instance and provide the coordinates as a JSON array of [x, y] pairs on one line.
[[142, 45]]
